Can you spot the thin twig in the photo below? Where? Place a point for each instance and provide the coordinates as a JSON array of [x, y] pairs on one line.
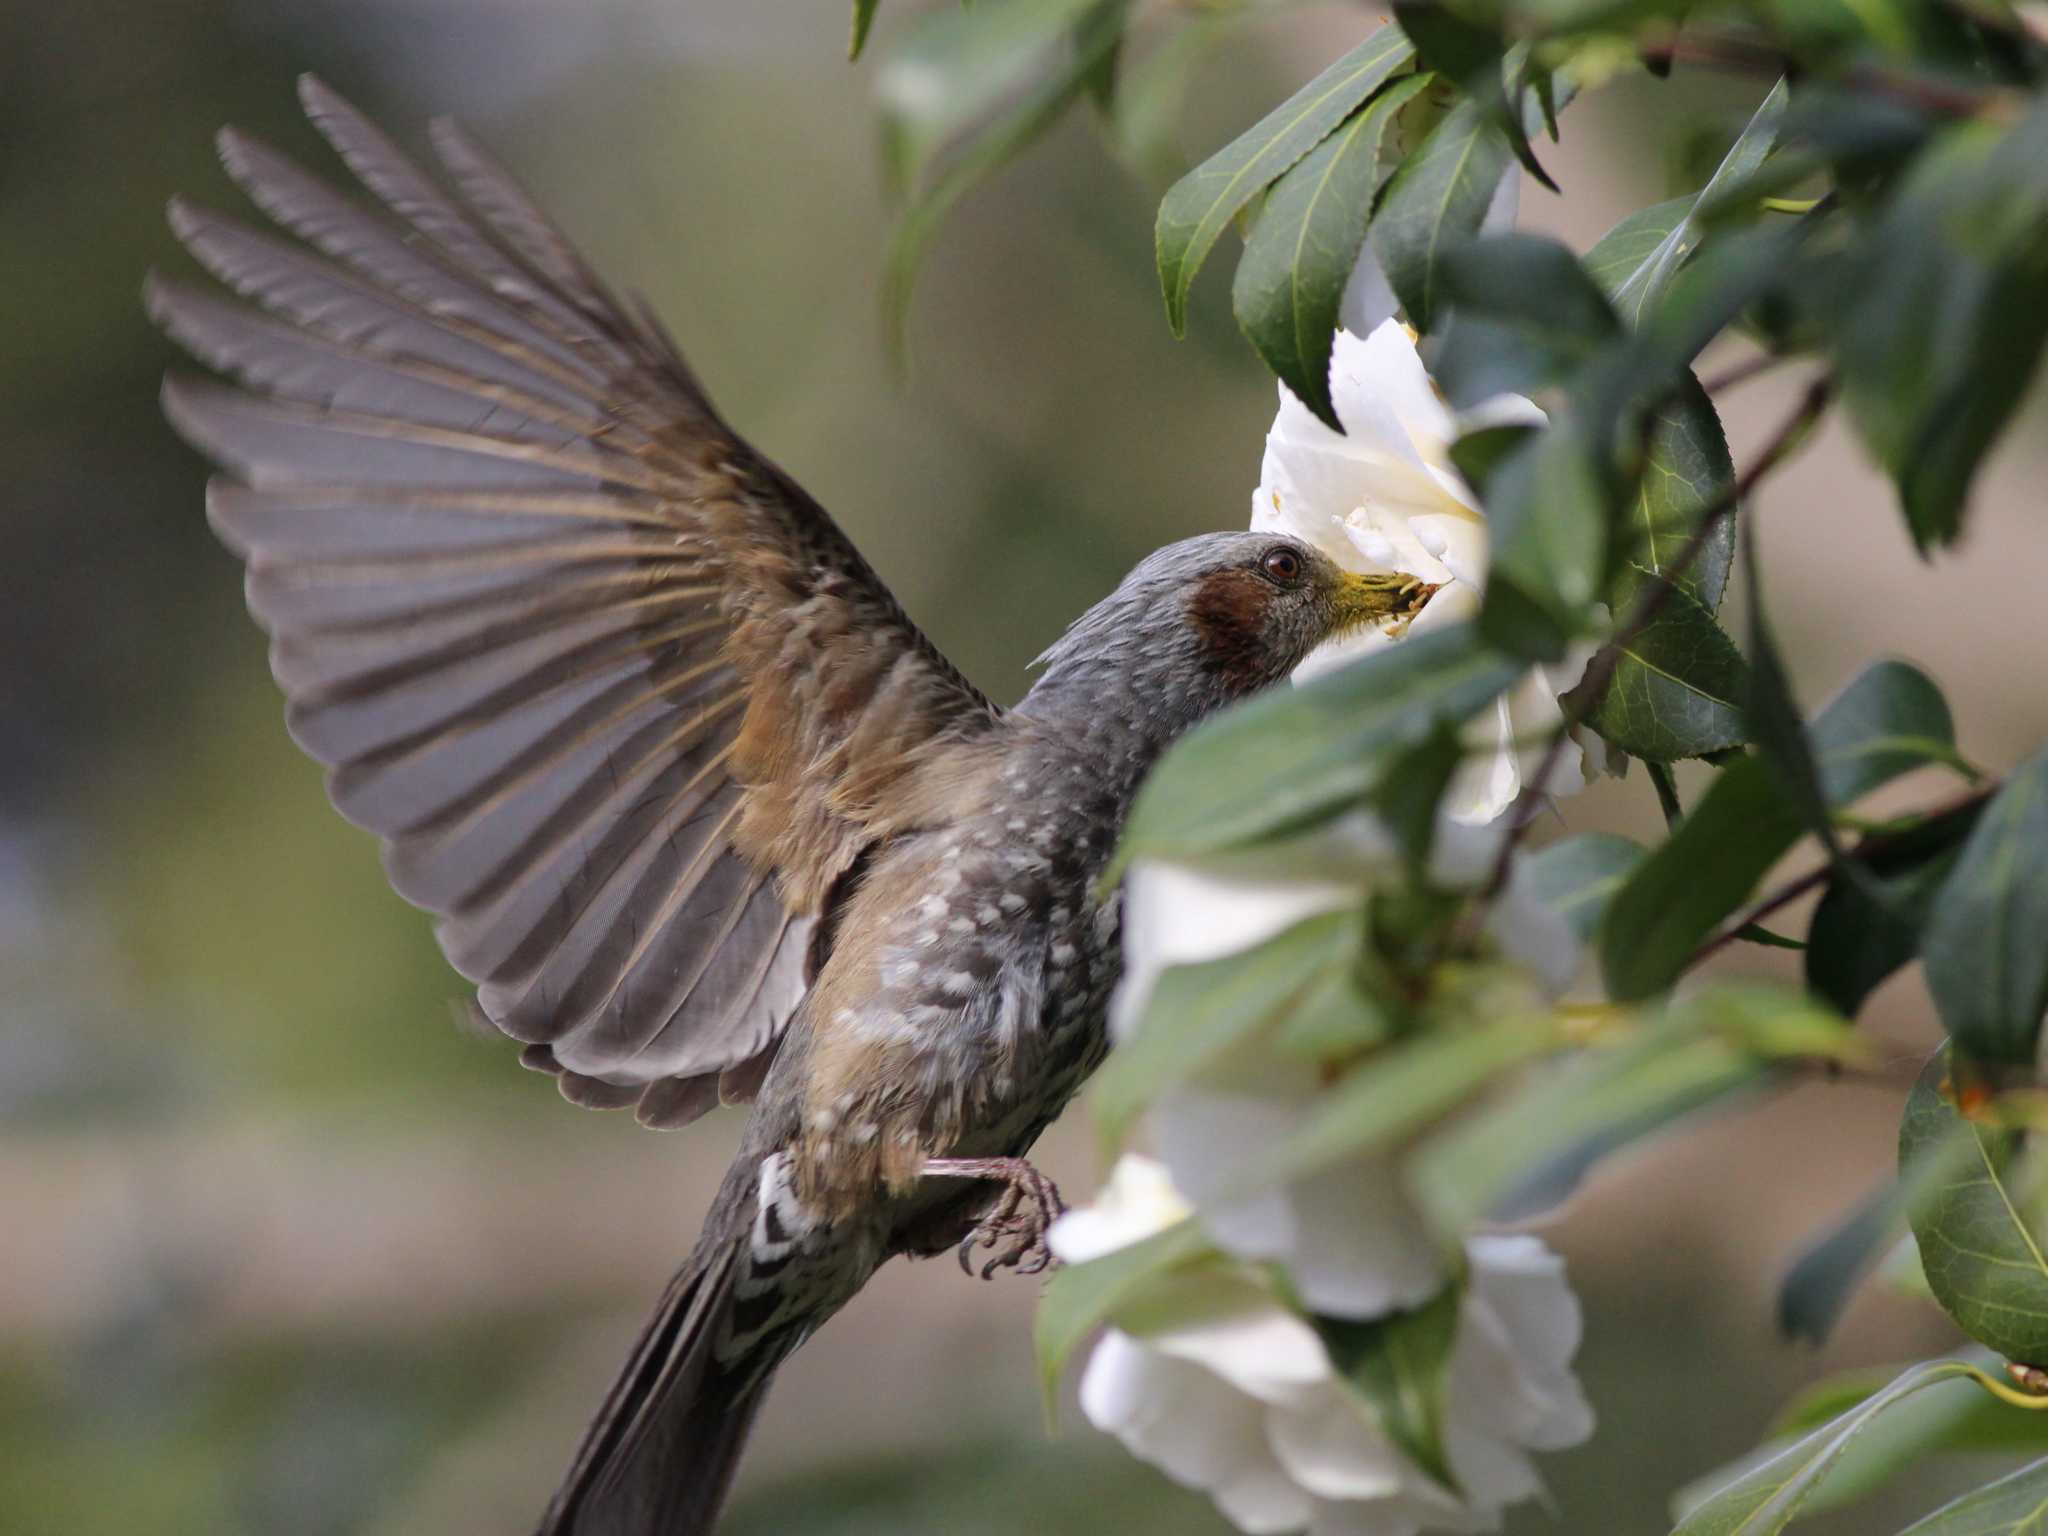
[[1929, 93], [1592, 688], [1742, 372], [1866, 850]]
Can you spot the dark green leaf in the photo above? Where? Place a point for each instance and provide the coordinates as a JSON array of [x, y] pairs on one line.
[[1468, 44], [1197, 1014], [1859, 937], [1820, 1282], [1640, 290], [1890, 720], [1735, 832], [1200, 206], [1986, 946], [1079, 1298], [1765, 1499], [2013, 1506], [1880, 726], [1413, 786], [1576, 877], [1525, 316], [1295, 756], [1949, 312], [1290, 280], [1774, 721], [1677, 691], [1983, 1261], [863, 20], [1549, 511], [1436, 200], [1398, 1363]]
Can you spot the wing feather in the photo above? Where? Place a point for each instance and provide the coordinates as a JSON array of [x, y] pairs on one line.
[[621, 700]]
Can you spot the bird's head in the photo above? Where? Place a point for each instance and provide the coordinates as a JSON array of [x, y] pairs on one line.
[[1257, 604], [1222, 615]]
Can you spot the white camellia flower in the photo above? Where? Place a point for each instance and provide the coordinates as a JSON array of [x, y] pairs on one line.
[[1228, 1391], [1383, 495], [1353, 1242]]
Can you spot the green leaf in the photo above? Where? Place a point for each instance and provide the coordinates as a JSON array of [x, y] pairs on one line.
[[1525, 1155], [2016, 1505], [1953, 1414], [1290, 280], [1986, 958], [1945, 313], [1295, 756], [1677, 691], [1200, 206], [1765, 1499], [1687, 470], [1578, 876], [1079, 1298], [1982, 1259], [1617, 255], [1435, 201], [1469, 45], [1548, 506], [863, 20], [1197, 1014], [1525, 315], [1881, 725], [1398, 1364], [1093, 39], [1641, 289], [1858, 936], [1890, 720]]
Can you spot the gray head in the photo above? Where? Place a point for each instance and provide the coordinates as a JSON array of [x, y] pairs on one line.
[[1209, 620]]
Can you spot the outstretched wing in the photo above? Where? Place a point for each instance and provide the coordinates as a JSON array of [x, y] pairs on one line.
[[620, 698]]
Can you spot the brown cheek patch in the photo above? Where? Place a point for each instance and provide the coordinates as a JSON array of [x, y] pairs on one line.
[[1228, 611]]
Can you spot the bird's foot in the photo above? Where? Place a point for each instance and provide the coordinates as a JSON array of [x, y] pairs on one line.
[[1014, 1229]]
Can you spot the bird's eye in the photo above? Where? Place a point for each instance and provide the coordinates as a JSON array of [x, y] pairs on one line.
[[1282, 565]]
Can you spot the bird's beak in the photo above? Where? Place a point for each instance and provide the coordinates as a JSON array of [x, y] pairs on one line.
[[1363, 600]]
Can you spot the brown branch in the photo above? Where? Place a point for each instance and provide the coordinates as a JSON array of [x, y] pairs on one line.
[[1750, 56], [1744, 371], [1864, 851], [1599, 673]]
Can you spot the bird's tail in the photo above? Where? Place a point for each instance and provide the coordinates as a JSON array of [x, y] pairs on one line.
[[660, 1455]]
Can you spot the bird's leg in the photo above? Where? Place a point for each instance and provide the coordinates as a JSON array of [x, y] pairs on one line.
[[1014, 1229]]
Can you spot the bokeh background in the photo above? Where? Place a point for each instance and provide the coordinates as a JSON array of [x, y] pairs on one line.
[[282, 1247]]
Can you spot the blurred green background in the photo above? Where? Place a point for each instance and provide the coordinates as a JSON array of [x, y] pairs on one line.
[[285, 1248]]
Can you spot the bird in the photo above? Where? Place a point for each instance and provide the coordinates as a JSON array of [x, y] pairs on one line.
[[698, 810]]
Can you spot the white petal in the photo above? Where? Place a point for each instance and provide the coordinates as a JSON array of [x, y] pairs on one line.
[[1385, 397], [1505, 203], [1368, 300], [1178, 914], [1192, 1426], [1533, 935], [1361, 1249], [1138, 1201], [1233, 1328], [1330, 1446]]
